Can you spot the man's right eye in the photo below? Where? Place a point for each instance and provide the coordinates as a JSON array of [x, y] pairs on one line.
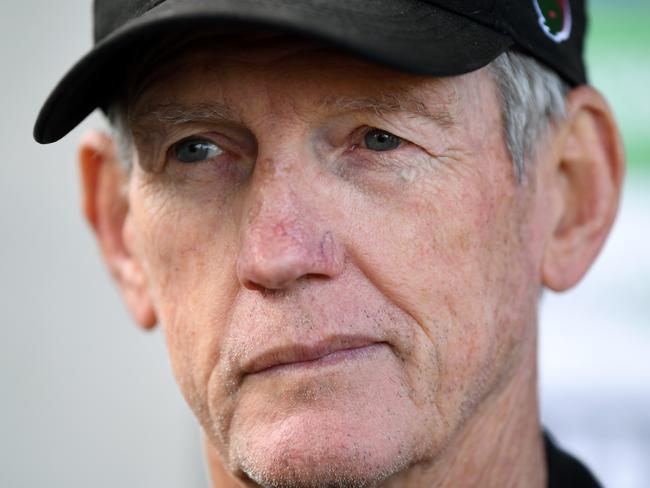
[[195, 150]]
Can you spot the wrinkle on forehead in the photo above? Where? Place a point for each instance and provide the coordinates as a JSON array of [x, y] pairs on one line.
[[204, 48], [396, 101], [273, 55], [152, 115]]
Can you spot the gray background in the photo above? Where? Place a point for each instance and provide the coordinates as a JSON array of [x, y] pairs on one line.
[[89, 400]]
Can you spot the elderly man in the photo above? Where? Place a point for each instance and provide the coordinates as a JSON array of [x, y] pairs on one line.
[[343, 214]]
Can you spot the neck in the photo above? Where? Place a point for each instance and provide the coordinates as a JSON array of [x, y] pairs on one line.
[[501, 445], [219, 476]]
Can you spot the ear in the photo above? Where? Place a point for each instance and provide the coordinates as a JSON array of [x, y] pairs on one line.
[[585, 180], [104, 182]]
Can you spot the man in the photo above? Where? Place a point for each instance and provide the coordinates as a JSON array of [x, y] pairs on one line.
[[343, 214]]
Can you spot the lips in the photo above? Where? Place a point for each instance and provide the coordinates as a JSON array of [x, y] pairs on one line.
[[324, 352]]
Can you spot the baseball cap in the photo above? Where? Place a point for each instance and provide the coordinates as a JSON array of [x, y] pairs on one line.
[[426, 37]]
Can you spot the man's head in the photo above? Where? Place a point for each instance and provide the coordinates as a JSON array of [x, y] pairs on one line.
[[344, 258]]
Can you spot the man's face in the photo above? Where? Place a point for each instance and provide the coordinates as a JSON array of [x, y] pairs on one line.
[[340, 255]]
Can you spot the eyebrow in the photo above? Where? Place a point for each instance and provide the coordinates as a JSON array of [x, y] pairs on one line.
[[387, 104], [171, 114]]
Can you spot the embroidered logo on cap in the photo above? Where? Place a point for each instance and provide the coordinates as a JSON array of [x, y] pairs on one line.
[[554, 18]]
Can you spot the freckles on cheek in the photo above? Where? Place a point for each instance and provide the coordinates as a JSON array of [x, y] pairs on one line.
[[492, 297], [186, 258], [168, 250], [465, 262], [180, 231]]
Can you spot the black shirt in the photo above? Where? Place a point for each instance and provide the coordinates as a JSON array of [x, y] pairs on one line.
[[564, 471]]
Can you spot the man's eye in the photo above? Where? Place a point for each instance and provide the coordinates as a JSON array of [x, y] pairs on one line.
[[195, 150], [380, 140]]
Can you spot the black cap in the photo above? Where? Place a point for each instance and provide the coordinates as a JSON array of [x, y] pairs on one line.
[[428, 37]]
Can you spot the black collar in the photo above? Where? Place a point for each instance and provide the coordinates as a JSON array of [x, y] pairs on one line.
[[565, 471]]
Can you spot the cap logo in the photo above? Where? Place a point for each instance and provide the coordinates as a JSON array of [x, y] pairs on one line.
[[554, 18]]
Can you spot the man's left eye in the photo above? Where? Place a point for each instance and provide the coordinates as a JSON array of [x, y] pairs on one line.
[[380, 140], [195, 150]]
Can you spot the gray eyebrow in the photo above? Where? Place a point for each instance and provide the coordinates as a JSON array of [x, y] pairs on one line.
[[391, 104], [170, 114]]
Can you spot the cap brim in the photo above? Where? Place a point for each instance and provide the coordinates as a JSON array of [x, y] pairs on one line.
[[410, 36]]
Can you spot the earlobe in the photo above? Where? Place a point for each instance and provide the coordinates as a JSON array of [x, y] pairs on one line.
[[105, 205], [586, 181]]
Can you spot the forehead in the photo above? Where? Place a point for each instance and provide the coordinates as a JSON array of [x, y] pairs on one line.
[[194, 64]]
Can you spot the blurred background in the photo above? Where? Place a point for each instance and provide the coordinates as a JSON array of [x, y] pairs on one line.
[[89, 400], [595, 339]]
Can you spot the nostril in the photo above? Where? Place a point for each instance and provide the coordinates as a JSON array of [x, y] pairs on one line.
[[251, 285], [279, 272]]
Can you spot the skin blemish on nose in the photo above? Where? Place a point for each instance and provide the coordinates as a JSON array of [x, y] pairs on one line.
[[464, 242], [279, 230], [328, 252]]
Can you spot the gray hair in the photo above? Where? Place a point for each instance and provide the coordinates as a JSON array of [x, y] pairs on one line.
[[532, 100], [121, 133]]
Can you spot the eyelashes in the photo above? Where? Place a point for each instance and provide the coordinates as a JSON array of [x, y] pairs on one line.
[[198, 149]]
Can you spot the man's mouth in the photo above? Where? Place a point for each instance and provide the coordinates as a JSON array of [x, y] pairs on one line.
[[315, 355]]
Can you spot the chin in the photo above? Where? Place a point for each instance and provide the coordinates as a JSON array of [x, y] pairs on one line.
[[325, 450], [346, 425], [314, 480]]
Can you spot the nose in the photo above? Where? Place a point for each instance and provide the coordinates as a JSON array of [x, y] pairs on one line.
[[284, 241]]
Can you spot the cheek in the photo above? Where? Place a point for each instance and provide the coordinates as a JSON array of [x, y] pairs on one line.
[[463, 278], [181, 245]]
